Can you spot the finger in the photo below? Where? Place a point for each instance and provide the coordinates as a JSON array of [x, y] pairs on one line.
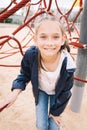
[[10, 104], [1, 109], [50, 116], [58, 123]]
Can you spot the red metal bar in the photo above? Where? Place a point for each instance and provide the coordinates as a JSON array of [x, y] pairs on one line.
[[13, 10]]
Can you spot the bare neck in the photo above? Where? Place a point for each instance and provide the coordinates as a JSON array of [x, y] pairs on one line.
[[51, 63]]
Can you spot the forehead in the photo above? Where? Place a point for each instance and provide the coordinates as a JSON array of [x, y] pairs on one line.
[[49, 26]]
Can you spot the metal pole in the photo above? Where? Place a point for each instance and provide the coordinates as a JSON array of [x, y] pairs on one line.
[[78, 89]]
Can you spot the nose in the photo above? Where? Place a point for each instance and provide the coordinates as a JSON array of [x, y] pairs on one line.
[[49, 42]]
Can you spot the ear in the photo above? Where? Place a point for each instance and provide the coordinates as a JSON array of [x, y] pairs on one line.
[[35, 39], [64, 39]]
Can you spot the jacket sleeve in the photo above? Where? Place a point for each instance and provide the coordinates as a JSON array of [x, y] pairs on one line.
[[64, 96], [24, 77]]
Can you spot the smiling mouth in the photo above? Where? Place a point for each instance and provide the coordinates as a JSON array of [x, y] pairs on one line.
[[49, 48]]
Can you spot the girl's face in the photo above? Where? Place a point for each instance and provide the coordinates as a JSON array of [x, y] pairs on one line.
[[49, 38]]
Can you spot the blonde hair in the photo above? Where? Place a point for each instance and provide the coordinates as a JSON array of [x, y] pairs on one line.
[[45, 17]]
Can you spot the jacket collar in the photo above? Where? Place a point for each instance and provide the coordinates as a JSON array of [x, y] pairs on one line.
[[70, 62]]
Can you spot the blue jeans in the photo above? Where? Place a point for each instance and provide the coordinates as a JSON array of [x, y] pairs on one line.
[[43, 122]]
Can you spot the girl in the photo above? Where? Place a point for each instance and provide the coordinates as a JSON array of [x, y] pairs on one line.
[[50, 68]]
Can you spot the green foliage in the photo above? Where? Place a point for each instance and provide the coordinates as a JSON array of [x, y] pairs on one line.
[[8, 20]]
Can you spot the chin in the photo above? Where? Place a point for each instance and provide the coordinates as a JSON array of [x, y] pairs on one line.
[[49, 54]]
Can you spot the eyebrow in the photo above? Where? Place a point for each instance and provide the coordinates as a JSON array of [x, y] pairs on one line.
[[52, 34]]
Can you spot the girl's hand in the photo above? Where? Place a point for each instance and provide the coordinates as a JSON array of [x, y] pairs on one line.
[[9, 100], [57, 119]]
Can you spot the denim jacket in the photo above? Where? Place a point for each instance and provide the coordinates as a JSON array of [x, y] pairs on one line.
[[29, 72]]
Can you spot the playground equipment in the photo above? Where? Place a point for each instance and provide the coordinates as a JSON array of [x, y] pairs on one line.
[[46, 6]]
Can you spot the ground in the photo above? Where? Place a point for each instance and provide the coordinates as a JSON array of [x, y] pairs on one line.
[[21, 115]]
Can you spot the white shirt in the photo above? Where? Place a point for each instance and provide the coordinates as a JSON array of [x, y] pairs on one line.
[[47, 79]]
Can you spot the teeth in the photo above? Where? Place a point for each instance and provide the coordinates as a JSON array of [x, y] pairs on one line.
[[49, 48]]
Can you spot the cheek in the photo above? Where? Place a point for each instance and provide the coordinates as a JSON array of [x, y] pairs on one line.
[[58, 44], [40, 45], [40, 42]]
